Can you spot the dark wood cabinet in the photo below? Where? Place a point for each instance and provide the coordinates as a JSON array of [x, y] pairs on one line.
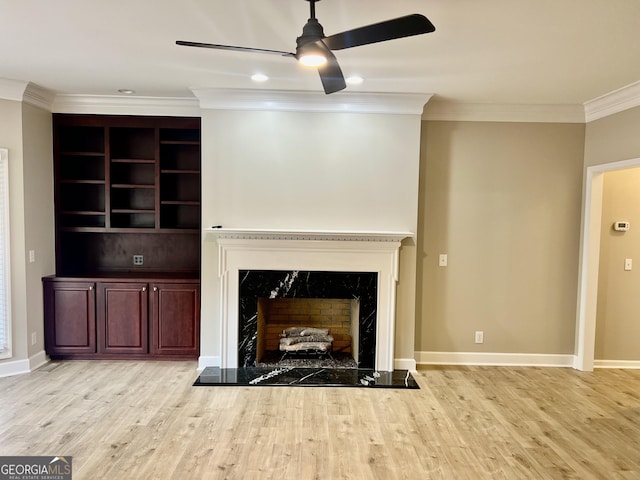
[[175, 319], [70, 323], [127, 192], [122, 318]]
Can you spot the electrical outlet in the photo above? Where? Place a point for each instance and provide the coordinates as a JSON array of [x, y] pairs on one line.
[[32, 256], [34, 338], [443, 260], [138, 260], [479, 337]]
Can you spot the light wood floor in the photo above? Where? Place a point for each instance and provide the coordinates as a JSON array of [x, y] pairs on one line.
[[144, 420]]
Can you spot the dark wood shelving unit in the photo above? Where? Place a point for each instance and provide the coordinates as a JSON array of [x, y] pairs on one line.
[[124, 186]]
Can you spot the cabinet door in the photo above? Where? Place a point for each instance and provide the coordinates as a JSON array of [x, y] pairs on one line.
[[123, 318], [175, 319], [69, 317]]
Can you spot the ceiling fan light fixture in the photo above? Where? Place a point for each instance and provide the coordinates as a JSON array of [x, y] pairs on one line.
[[312, 60], [311, 55]]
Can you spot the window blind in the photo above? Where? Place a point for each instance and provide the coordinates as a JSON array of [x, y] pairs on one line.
[[5, 272]]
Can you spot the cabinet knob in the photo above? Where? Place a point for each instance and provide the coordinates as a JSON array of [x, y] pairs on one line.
[[155, 289], [144, 289], [90, 287]]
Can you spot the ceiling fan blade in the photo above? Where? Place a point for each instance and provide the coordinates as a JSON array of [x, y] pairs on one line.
[[234, 48], [400, 27], [331, 73]]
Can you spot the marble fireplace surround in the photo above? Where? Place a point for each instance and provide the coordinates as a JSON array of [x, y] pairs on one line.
[[307, 250]]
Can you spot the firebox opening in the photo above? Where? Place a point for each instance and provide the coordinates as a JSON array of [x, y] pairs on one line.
[[325, 329]]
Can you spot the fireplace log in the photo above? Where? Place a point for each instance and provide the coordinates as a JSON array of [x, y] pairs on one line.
[[303, 331], [308, 346], [309, 338]]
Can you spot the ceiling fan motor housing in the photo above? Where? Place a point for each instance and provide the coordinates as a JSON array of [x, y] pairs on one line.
[[311, 32]]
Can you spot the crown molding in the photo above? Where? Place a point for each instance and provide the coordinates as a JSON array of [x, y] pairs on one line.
[[302, 101], [39, 96], [12, 89], [126, 105], [613, 102], [485, 112]]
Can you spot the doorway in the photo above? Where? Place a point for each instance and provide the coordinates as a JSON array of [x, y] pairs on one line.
[[590, 261]]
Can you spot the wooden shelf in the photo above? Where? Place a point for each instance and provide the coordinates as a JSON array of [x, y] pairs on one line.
[[120, 230], [82, 212], [179, 142], [132, 160], [181, 171], [131, 210], [179, 202], [127, 185], [82, 154], [86, 182]]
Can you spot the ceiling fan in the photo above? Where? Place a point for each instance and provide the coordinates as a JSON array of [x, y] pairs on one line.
[[315, 49]]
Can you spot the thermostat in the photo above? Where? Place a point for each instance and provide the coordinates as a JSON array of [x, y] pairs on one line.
[[621, 226]]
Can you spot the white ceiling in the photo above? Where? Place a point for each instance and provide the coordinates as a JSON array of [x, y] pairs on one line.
[[492, 51]]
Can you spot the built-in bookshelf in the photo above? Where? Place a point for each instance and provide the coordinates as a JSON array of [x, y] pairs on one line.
[[120, 177]]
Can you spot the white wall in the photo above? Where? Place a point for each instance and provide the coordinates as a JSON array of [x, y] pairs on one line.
[[334, 171], [305, 170]]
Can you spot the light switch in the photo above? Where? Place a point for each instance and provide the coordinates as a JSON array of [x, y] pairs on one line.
[[443, 260], [628, 264]]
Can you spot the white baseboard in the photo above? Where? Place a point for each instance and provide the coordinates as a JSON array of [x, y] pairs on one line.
[[38, 360], [20, 367], [494, 359], [204, 362], [405, 364], [630, 364], [14, 367]]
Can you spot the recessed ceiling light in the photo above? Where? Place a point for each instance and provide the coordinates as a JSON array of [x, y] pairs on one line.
[[354, 80], [126, 91], [259, 77]]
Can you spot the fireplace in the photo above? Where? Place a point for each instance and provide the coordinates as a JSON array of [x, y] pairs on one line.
[[254, 264], [258, 289], [307, 326]]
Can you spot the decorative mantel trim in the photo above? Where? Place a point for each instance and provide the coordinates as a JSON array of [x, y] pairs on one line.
[[283, 234]]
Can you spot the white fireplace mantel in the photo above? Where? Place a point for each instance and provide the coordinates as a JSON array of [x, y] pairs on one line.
[[312, 250], [288, 234]]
